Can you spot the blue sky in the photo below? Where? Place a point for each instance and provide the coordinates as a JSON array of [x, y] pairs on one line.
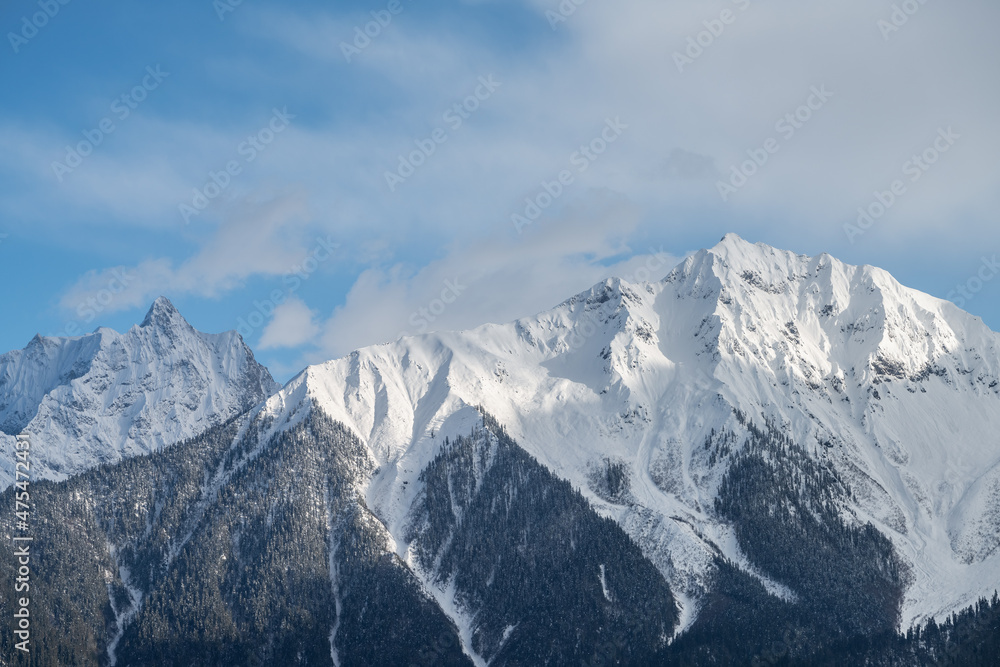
[[358, 183]]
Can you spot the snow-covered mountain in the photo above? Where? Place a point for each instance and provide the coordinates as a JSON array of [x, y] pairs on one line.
[[762, 457], [644, 395], [104, 396]]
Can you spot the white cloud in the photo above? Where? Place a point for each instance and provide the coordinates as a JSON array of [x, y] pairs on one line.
[[291, 326], [607, 60], [264, 238], [496, 280]]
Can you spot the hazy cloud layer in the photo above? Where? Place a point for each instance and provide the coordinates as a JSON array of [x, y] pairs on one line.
[[416, 154]]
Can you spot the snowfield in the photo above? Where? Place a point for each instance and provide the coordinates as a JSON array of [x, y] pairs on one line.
[[898, 390], [98, 398]]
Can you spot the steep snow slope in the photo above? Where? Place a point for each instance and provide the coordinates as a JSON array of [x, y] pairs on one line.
[[899, 391], [97, 398]]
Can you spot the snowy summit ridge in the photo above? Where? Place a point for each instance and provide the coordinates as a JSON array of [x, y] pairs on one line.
[[97, 398], [876, 403], [896, 391]]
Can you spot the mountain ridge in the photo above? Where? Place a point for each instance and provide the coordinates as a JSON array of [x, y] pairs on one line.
[[763, 454], [860, 370], [95, 398]]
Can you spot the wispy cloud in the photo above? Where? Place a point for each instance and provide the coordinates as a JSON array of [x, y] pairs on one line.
[[266, 238], [355, 118], [495, 280]]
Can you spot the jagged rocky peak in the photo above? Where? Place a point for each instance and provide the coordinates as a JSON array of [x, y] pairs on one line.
[[749, 378], [737, 264], [163, 314], [754, 283], [760, 266], [103, 396], [614, 291], [734, 243]]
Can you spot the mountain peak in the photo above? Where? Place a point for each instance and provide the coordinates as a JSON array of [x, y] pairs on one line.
[[732, 239], [103, 396], [735, 249], [162, 314], [735, 243], [868, 378], [735, 260], [731, 251]]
